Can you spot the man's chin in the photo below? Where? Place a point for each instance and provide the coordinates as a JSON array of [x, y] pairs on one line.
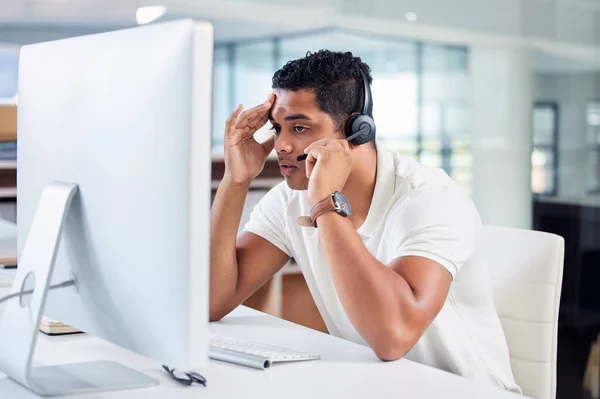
[[294, 184]]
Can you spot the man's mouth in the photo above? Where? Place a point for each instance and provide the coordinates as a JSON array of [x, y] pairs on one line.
[[287, 169]]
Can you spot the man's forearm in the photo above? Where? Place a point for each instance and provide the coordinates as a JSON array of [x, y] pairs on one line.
[[226, 213], [378, 301]]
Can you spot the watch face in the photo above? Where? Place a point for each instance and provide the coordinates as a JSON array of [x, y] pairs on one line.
[[341, 204]]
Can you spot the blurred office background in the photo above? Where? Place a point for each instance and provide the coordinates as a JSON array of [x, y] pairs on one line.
[[503, 95]]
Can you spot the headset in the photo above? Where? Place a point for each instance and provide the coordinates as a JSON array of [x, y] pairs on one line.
[[360, 128]]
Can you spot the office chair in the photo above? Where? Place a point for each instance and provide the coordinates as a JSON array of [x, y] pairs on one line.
[[526, 269]]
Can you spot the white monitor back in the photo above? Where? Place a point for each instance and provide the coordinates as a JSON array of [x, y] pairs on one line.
[[126, 116]]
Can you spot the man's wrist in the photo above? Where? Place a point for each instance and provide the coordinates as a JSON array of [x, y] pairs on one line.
[[232, 181], [335, 202], [328, 218], [315, 199]]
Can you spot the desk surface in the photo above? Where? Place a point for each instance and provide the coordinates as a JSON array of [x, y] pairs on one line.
[[347, 370]]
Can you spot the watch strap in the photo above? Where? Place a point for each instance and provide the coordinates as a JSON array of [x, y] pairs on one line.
[[320, 208]]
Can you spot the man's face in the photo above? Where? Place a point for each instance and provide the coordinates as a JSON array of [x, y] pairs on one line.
[[297, 122]]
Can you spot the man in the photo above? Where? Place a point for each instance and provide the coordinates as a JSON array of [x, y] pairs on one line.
[[401, 273]]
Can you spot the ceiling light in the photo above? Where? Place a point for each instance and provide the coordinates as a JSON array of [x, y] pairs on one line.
[[145, 15], [411, 16]]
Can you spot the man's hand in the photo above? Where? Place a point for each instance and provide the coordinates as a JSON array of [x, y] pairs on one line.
[[244, 156], [327, 167]]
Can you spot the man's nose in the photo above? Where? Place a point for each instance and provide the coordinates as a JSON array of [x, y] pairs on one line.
[[283, 143]]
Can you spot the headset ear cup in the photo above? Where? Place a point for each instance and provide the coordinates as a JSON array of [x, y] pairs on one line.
[[361, 128], [350, 126]]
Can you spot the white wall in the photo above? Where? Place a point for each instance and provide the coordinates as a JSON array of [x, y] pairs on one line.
[[571, 91]]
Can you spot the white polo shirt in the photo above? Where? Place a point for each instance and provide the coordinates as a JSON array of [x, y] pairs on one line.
[[419, 211]]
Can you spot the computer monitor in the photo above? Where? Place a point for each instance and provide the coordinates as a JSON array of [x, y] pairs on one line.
[[113, 190]]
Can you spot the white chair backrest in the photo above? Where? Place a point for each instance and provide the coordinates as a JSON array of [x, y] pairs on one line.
[[526, 268]]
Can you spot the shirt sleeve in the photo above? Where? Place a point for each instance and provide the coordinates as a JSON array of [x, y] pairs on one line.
[[267, 219], [437, 224]]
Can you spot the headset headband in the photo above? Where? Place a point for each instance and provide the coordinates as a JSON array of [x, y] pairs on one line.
[[367, 92]]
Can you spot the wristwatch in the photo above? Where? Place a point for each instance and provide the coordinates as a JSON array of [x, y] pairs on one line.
[[336, 202]]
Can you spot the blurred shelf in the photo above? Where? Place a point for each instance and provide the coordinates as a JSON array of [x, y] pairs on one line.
[[8, 164], [8, 123], [271, 170], [8, 257], [8, 192]]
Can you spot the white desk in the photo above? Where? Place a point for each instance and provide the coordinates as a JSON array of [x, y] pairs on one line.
[[347, 370]]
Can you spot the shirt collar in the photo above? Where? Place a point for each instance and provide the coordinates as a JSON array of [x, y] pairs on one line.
[[385, 184]]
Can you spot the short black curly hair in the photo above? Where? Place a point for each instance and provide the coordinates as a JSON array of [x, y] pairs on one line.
[[334, 76]]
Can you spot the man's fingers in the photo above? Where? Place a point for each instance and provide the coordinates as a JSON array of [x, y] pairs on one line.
[[256, 117], [314, 155], [261, 109], [309, 168], [344, 144], [232, 120], [269, 144], [322, 142], [251, 116], [332, 144], [270, 99], [251, 126]]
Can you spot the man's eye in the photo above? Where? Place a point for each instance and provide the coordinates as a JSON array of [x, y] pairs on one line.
[[300, 129], [277, 129]]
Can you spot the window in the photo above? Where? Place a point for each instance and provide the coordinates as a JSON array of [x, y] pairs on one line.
[[9, 66], [593, 141], [242, 75], [444, 96], [254, 69], [544, 155], [223, 100]]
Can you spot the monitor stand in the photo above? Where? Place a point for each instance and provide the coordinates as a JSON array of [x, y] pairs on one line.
[[20, 321]]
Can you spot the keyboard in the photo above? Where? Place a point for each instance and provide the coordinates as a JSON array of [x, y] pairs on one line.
[[252, 354]]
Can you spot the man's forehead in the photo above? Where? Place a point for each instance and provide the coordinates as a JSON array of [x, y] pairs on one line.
[[294, 99]]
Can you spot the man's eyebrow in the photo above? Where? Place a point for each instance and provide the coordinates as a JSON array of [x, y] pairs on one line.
[[294, 117]]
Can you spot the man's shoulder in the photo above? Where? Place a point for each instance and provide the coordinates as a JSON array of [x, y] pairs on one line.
[[428, 189], [415, 175]]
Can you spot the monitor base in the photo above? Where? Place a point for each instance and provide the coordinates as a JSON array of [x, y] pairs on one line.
[[88, 377]]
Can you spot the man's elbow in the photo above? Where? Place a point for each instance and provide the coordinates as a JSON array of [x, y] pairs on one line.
[[220, 307], [392, 347], [389, 353], [215, 316], [217, 313]]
